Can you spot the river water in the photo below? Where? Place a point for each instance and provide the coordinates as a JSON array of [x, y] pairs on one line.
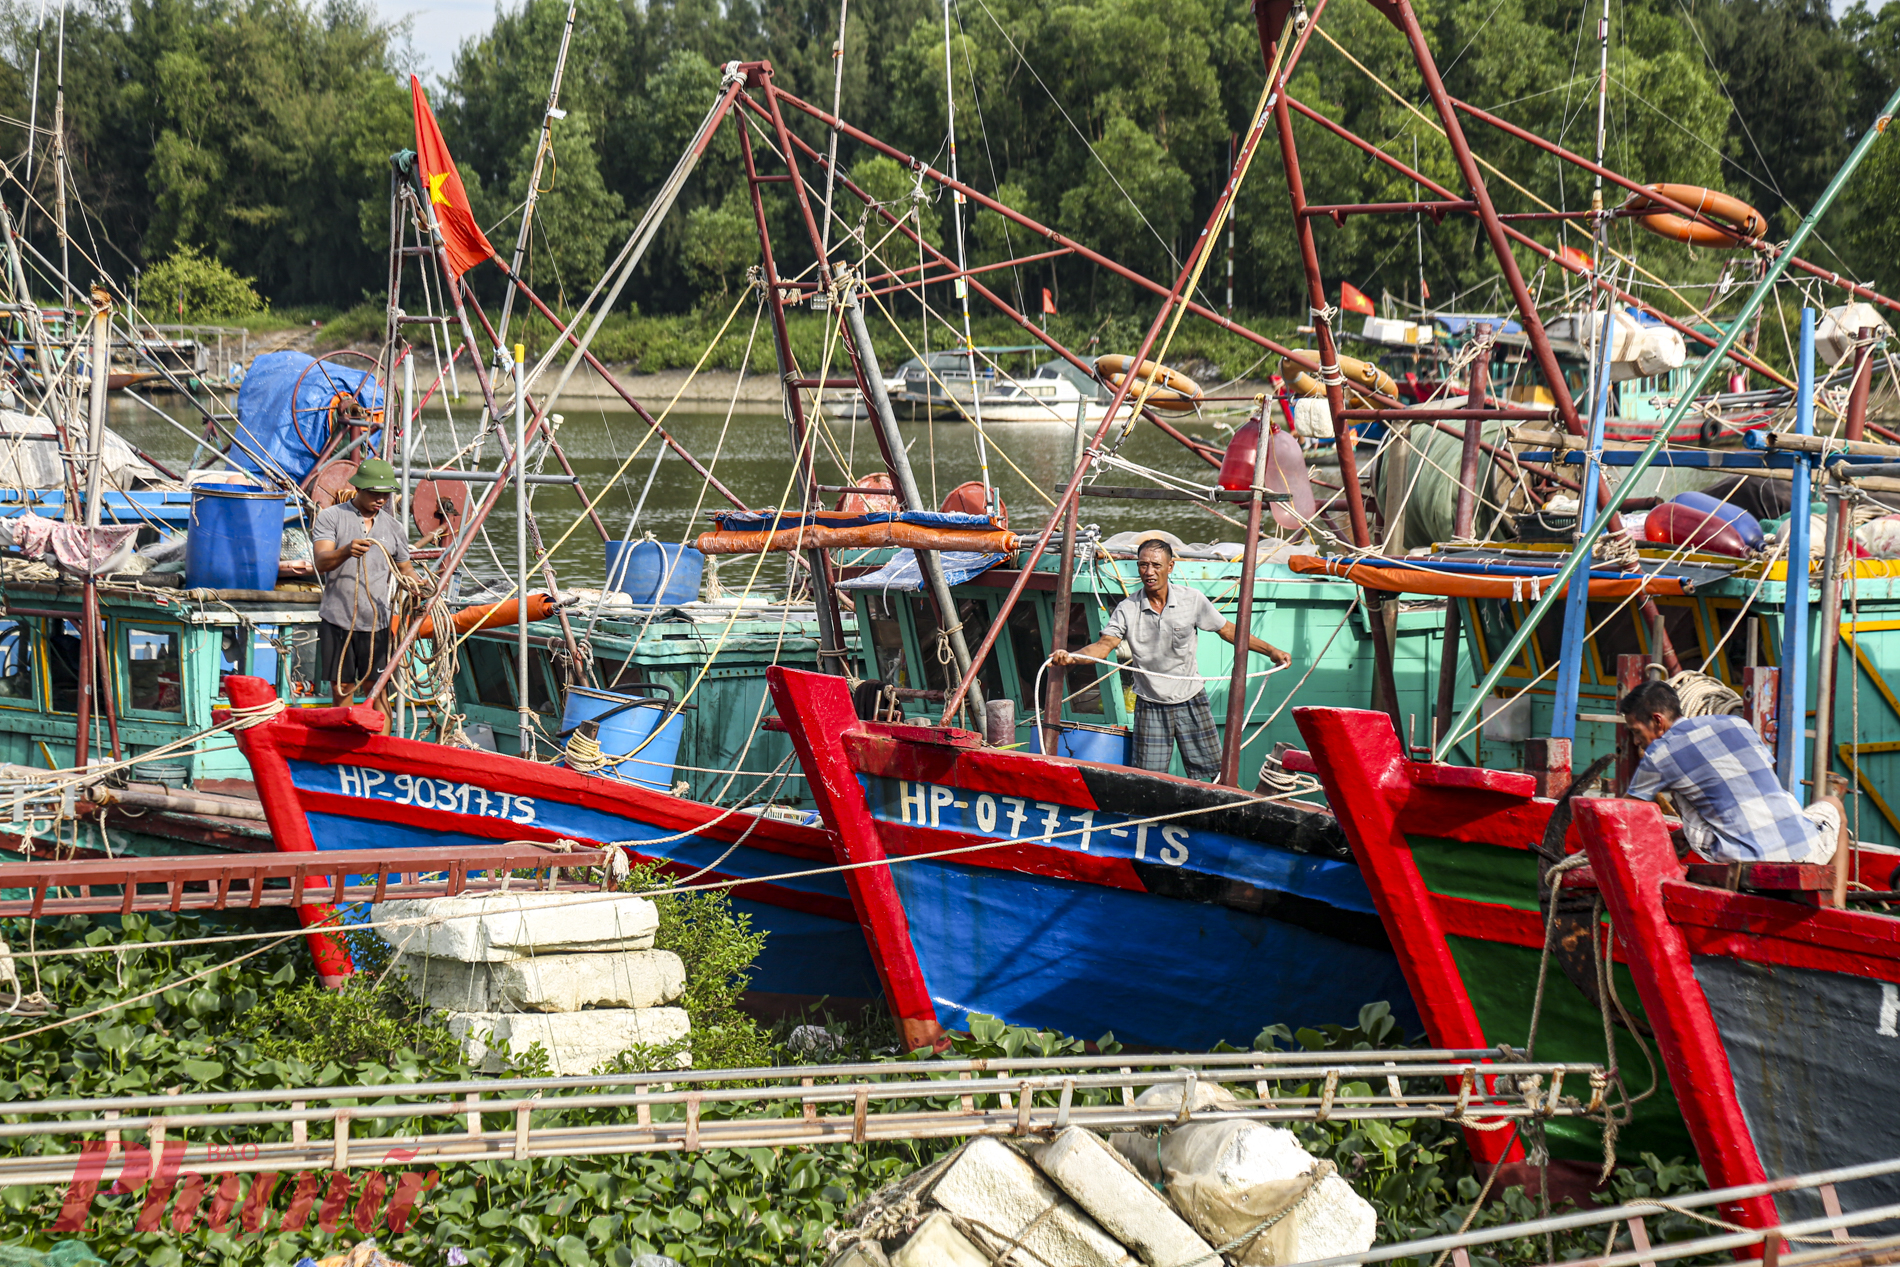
[[750, 454]]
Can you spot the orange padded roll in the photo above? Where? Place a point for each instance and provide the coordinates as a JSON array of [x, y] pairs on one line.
[[1748, 222], [489, 615]]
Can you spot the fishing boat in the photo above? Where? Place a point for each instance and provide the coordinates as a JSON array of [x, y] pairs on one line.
[[1773, 1005]]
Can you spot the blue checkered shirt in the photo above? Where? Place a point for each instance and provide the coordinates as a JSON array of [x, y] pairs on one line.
[[1722, 780]]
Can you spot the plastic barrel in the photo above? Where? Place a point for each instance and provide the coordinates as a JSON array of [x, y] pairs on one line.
[[1109, 745], [236, 536], [628, 729], [654, 571]]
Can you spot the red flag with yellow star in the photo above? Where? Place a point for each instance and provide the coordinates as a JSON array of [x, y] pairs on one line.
[[462, 238]]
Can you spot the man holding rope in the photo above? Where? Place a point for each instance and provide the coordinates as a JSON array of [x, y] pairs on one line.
[[355, 544], [1161, 626]]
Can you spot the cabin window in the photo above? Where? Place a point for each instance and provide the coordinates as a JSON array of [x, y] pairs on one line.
[[1685, 635], [886, 644], [1617, 635], [1026, 643], [62, 665], [541, 695], [488, 673], [16, 664], [1735, 652], [940, 675], [1497, 621], [154, 669]]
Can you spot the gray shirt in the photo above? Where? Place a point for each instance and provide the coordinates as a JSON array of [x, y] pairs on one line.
[[1165, 641], [342, 524]]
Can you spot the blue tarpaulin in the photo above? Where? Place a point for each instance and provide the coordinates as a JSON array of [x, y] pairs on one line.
[[288, 435], [902, 572]]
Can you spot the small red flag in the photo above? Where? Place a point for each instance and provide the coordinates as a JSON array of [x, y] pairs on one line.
[[1571, 255], [1424, 291], [1352, 299], [462, 238], [1048, 303]]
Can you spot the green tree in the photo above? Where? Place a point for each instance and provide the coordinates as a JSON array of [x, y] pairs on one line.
[[188, 287], [720, 242]]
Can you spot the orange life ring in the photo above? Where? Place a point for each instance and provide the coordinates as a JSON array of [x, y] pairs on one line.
[[1171, 391], [1363, 375], [1748, 222]]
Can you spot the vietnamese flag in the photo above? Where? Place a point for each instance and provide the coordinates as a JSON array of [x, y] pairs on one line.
[[1352, 299], [462, 238], [1048, 303], [1571, 255]]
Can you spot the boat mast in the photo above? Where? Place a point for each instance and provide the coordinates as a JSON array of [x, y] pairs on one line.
[[837, 112], [963, 268], [33, 111], [59, 166], [542, 149]]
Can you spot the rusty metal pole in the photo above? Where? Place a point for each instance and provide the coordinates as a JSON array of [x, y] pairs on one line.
[[1401, 14], [831, 649], [1385, 686], [1175, 295], [1056, 690], [1863, 383]]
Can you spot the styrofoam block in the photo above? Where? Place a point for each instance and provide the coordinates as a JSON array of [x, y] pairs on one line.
[[999, 1196], [1107, 1188], [497, 927], [1226, 1177], [547, 983], [576, 1042], [937, 1243]]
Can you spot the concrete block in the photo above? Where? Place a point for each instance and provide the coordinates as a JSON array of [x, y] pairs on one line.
[[576, 1042], [498, 927], [1226, 1177], [937, 1243], [547, 983], [1000, 1196], [1107, 1188]]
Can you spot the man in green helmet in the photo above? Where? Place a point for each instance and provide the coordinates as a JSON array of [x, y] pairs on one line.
[[359, 550]]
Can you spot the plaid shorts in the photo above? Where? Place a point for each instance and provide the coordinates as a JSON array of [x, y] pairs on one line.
[[1191, 723]]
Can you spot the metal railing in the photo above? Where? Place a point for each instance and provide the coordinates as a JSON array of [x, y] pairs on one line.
[[683, 1110]]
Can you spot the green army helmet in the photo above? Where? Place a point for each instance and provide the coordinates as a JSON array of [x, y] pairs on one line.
[[374, 476]]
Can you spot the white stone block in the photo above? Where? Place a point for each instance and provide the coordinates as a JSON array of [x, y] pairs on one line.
[[576, 1042], [937, 1243], [547, 983], [999, 1196], [1227, 1177], [498, 927], [1107, 1188]]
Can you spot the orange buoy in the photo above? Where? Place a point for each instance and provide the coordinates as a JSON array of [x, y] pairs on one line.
[[1362, 375], [859, 503], [1169, 391], [489, 615], [1748, 222], [967, 499]]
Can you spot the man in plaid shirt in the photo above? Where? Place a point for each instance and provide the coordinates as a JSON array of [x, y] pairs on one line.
[[1721, 780]]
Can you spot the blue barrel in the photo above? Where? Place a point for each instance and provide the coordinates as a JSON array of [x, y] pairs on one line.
[[1747, 527], [236, 536], [654, 572], [627, 729], [1109, 745]]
